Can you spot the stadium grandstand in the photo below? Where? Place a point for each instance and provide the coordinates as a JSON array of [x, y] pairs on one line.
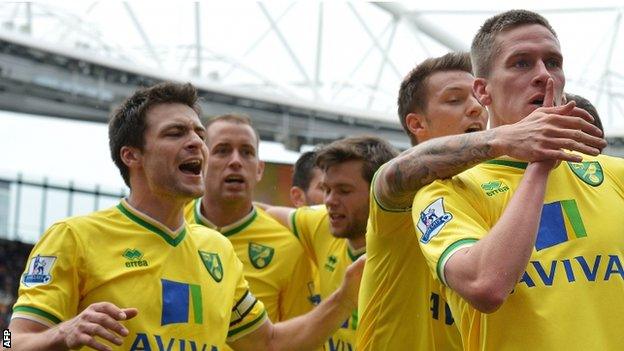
[[307, 73]]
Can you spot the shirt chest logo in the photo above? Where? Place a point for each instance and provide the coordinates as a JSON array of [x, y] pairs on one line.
[[260, 255], [134, 258], [588, 171], [212, 262], [330, 265], [494, 187]]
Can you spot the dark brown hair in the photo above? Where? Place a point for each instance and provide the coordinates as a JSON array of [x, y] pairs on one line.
[[413, 91], [373, 151], [128, 122], [483, 47]]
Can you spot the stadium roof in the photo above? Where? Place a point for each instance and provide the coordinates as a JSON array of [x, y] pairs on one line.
[[337, 54]]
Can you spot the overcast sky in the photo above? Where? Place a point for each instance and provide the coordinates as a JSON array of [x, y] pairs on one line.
[[79, 150]]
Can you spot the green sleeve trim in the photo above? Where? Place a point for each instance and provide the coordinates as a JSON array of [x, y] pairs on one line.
[[293, 224], [251, 324], [447, 254], [378, 202], [33, 310], [514, 164]]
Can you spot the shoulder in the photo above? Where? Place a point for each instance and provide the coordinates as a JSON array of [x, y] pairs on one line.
[[79, 224], [210, 238]]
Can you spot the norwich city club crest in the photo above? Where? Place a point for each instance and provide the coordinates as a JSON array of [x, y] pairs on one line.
[[589, 172], [260, 255], [213, 264]]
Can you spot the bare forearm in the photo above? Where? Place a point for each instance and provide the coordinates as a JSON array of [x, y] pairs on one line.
[[439, 158], [487, 272], [310, 331], [280, 214], [46, 340]]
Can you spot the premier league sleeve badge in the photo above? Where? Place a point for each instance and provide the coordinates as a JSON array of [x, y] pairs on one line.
[[38, 272]]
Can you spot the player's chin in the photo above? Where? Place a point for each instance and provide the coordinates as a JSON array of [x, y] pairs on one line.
[[192, 191], [338, 232]]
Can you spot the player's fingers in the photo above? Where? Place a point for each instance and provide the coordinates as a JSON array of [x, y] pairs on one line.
[[108, 322], [130, 312], [549, 95], [569, 144], [93, 343], [579, 112], [580, 137], [575, 123], [561, 155], [109, 309], [98, 330]]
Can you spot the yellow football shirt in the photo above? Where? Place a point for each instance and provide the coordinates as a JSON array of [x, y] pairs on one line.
[[331, 256], [400, 304], [571, 294], [278, 271], [187, 285]]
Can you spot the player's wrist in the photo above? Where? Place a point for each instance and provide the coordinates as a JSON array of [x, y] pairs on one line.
[[343, 299], [497, 141]]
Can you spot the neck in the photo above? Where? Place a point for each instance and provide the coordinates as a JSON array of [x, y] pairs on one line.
[[222, 213], [357, 243], [167, 210]]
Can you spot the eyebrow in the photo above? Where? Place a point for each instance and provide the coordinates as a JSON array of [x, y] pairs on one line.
[[556, 54], [453, 89]]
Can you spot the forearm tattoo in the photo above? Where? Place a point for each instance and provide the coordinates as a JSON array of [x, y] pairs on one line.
[[435, 159]]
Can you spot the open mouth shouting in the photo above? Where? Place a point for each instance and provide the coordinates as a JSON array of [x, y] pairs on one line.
[[473, 128], [192, 167], [234, 181]]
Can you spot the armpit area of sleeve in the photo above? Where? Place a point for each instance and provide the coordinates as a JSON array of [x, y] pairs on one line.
[[293, 223], [35, 314], [450, 251], [251, 320]]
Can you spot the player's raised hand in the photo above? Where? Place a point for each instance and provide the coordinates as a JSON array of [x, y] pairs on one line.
[[550, 129], [98, 320], [351, 283]]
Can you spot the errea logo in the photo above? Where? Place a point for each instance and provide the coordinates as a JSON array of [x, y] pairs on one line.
[[135, 258], [494, 187], [330, 265]]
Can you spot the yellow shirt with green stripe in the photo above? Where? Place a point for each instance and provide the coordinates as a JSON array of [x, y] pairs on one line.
[[400, 304], [278, 271], [188, 285], [331, 256], [571, 294]]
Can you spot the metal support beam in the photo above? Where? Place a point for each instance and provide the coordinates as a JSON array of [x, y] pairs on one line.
[[422, 25], [372, 36], [198, 45], [606, 81], [144, 36], [319, 49], [284, 42], [344, 83], [383, 63], [258, 41]]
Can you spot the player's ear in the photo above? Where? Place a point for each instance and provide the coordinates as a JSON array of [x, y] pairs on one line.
[[130, 156], [417, 125], [260, 171], [297, 196], [482, 91]]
